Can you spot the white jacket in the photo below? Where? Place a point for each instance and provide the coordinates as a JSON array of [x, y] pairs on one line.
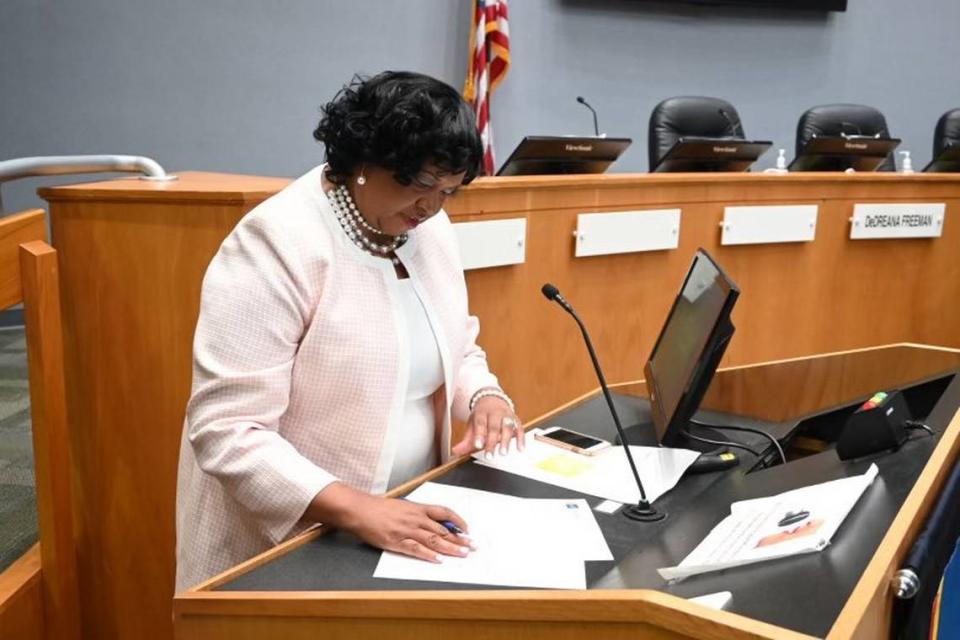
[[300, 373]]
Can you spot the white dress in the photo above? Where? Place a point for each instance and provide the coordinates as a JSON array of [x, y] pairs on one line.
[[417, 443]]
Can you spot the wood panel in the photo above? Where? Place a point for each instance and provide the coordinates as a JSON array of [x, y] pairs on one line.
[[133, 254], [806, 385], [131, 276], [14, 230], [21, 598], [52, 462], [613, 614], [829, 295]]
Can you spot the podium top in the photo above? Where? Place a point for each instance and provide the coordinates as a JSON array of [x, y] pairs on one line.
[[339, 563], [189, 185]]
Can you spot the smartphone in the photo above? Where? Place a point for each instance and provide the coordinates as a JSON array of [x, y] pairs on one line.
[[572, 441]]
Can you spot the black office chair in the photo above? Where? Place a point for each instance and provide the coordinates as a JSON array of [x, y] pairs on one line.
[[947, 132], [698, 116], [849, 119]]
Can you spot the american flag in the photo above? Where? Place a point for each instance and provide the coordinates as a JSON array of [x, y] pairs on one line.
[[489, 61]]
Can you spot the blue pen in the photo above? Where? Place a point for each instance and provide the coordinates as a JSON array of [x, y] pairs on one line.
[[449, 526], [452, 528]]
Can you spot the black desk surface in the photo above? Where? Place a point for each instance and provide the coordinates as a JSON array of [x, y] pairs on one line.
[[805, 593]]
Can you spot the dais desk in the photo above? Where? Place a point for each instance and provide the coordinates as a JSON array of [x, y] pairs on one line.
[[321, 585]]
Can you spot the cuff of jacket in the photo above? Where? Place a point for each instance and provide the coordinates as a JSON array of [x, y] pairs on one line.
[[302, 486]]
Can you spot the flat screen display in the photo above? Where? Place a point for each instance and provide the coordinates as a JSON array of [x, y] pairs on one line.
[[807, 5], [691, 342]]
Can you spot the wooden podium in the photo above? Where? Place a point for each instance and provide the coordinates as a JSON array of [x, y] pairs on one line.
[[133, 253], [768, 391]]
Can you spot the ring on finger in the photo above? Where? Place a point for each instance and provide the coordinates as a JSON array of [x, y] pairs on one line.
[[509, 422]]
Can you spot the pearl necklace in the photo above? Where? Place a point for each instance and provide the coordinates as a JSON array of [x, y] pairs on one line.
[[351, 221]]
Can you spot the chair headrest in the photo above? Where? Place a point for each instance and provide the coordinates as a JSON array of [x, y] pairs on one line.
[[843, 119], [838, 119], [947, 133]]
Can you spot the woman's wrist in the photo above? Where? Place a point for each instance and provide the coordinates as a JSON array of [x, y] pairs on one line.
[[490, 392], [336, 504]]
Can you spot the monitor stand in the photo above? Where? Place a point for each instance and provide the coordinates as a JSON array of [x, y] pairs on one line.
[[643, 434], [593, 417]]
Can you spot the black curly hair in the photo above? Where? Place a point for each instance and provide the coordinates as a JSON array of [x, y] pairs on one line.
[[400, 121]]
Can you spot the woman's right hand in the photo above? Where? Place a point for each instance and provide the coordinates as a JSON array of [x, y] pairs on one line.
[[391, 524]]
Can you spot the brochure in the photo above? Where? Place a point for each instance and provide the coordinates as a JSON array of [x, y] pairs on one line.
[[799, 521]]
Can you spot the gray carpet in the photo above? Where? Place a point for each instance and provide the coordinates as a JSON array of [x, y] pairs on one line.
[[18, 504]]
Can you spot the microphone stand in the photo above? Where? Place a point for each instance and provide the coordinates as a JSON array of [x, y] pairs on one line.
[[643, 511], [596, 129]]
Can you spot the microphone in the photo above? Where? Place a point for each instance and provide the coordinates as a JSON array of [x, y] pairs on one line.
[[596, 129], [732, 123], [643, 510]]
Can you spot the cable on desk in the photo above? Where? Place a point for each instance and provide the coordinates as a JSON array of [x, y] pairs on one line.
[[720, 443], [916, 424], [720, 427]]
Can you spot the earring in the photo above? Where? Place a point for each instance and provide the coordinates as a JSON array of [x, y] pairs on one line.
[[361, 179]]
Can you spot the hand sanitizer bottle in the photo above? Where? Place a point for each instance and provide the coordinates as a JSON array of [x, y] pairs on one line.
[[907, 165], [781, 163], [782, 160]]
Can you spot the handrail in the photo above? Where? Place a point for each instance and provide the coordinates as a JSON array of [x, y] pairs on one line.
[[60, 165]]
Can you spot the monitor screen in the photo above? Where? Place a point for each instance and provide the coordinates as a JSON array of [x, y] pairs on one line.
[[690, 346], [839, 153], [699, 154], [550, 155], [803, 5]]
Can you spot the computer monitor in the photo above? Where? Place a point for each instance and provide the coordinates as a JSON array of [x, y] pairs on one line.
[[948, 161], [839, 153], [696, 154], [689, 348], [550, 155]]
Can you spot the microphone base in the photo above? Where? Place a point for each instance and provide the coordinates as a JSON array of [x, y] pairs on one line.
[[643, 512]]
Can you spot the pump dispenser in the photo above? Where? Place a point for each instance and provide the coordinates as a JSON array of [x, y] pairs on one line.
[[781, 163], [906, 166], [782, 159]]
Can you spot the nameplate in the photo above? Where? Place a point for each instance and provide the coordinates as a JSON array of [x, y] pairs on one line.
[[897, 220], [601, 234], [768, 224], [492, 243]]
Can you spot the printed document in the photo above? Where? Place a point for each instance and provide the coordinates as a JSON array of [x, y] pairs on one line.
[[520, 542], [605, 475], [799, 521]]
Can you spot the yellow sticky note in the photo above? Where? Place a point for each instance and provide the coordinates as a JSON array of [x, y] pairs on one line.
[[564, 465]]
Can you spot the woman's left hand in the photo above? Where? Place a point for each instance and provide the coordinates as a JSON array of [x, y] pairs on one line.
[[491, 427]]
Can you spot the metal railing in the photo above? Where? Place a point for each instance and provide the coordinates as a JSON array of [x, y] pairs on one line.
[[62, 165]]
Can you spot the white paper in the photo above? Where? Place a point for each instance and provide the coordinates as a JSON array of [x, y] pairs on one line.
[[605, 475], [753, 533], [608, 506], [718, 600], [520, 542], [573, 520]]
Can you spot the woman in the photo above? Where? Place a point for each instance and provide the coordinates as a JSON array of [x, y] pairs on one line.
[[334, 343]]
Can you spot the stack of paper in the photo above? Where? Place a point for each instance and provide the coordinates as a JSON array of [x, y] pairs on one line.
[[605, 475], [520, 542], [799, 521]]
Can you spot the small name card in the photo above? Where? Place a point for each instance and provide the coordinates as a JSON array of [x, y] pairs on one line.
[[600, 234], [897, 220], [769, 224], [492, 243]]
